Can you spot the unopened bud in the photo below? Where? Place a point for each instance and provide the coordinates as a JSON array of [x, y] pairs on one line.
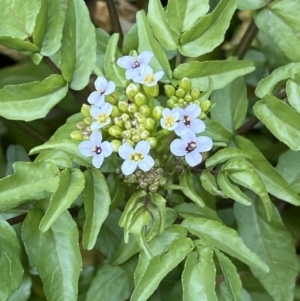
[[132, 108], [118, 121], [145, 110], [85, 110], [136, 138], [76, 135], [115, 131], [185, 84], [157, 162], [153, 187], [130, 142], [180, 93], [115, 111], [112, 98], [195, 93], [81, 126], [125, 117], [88, 120], [140, 99], [149, 124], [151, 91], [169, 90], [127, 125], [188, 98], [132, 90], [205, 105], [170, 103], [180, 101], [123, 106], [162, 181], [203, 116], [115, 145], [152, 141], [144, 134], [157, 112], [140, 117]]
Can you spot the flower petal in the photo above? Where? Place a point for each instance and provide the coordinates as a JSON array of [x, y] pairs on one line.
[[106, 108], [96, 138], [128, 167], [86, 148], [110, 87], [193, 158], [126, 62], [146, 164], [145, 57], [145, 69], [197, 125], [98, 160], [204, 144], [95, 126], [131, 73], [166, 112], [180, 129], [143, 147], [193, 110], [158, 75], [107, 148], [94, 97], [178, 147], [100, 83], [125, 150], [95, 111], [139, 79]]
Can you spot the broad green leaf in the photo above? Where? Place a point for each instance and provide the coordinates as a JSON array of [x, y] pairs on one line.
[[231, 105], [32, 100], [23, 292], [131, 40], [198, 277], [254, 289], [110, 283], [29, 182], [78, 49], [216, 132], [96, 205], [18, 44], [102, 39], [267, 85], [209, 31], [15, 153], [11, 272], [160, 203], [48, 28], [274, 182], [293, 93], [251, 4], [71, 184], [59, 158], [280, 119], [116, 190], [160, 266], [214, 232], [148, 42], [232, 278], [212, 74], [279, 20], [273, 242], [183, 14], [55, 254], [112, 70], [209, 183], [163, 32]]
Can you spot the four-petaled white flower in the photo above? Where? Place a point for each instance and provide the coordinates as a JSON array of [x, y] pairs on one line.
[[103, 88], [96, 148], [101, 115], [169, 119], [188, 120], [147, 77], [190, 147], [137, 157], [133, 64]]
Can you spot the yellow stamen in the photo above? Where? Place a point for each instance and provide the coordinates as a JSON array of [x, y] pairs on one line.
[[136, 157], [102, 118], [170, 121], [149, 78]]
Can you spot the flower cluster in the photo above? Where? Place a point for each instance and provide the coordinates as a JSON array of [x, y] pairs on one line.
[[132, 125]]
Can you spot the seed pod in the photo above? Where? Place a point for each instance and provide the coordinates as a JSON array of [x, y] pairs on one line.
[[169, 90], [185, 84]]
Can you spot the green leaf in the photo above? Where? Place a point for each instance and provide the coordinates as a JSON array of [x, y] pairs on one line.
[[273, 181], [18, 44], [59, 158], [96, 205], [55, 254], [11, 267], [232, 278], [148, 42], [163, 32], [23, 292], [186, 181], [217, 132], [212, 74], [214, 232], [131, 40], [71, 184], [293, 93], [33, 100], [116, 190], [273, 242], [48, 28], [15, 153], [78, 49], [112, 70], [280, 119], [198, 277], [251, 4], [29, 181], [102, 39], [160, 266], [279, 20], [110, 283], [209, 31], [231, 105], [183, 14]]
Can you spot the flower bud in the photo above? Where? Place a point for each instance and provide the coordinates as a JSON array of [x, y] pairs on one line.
[[115, 131], [141, 118], [140, 99], [126, 134], [115, 111], [130, 142], [136, 138], [151, 91], [144, 134], [143, 184], [188, 98], [123, 106], [197, 102], [115, 145], [180, 93], [169, 90], [118, 121], [132, 90], [195, 93], [112, 98], [153, 187], [157, 112], [132, 108], [203, 116], [85, 110], [205, 105], [180, 101], [127, 125], [162, 181], [88, 120], [170, 103], [125, 117], [185, 84], [81, 126], [76, 135], [157, 162], [152, 141], [145, 110], [149, 124]]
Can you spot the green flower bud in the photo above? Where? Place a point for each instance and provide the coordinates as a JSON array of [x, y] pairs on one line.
[[195, 93], [115, 131], [169, 90], [115, 145], [134, 123], [115, 111], [188, 98], [153, 187], [132, 178], [144, 135], [162, 181], [112, 98], [81, 126], [170, 103], [145, 110], [123, 106], [141, 126], [140, 99], [203, 116], [118, 121], [130, 142], [126, 134], [180, 93], [136, 138], [197, 102], [180, 101], [141, 118], [85, 110], [151, 91], [176, 105], [125, 117], [149, 124], [76, 135], [205, 105], [133, 132], [132, 108], [174, 98], [160, 171], [185, 84], [157, 112], [88, 120], [127, 125], [157, 162], [143, 184], [132, 90], [152, 141]]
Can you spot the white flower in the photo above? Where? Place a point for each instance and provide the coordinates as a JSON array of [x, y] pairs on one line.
[[147, 77], [96, 148], [101, 115], [103, 88], [189, 120], [137, 157], [190, 147], [132, 64], [169, 119]]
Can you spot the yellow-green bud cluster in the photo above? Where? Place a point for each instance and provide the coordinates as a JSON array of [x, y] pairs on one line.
[[84, 130]]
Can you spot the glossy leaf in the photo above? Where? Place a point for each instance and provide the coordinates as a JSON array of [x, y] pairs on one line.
[[209, 31], [212, 74], [217, 132], [55, 254], [78, 49], [15, 153], [71, 184], [274, 244], [96, 205], [209, 183], [29, 181], [214, 232], [33, 100], [293, 93], [23, 292], [11, 267], [251, 4]]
